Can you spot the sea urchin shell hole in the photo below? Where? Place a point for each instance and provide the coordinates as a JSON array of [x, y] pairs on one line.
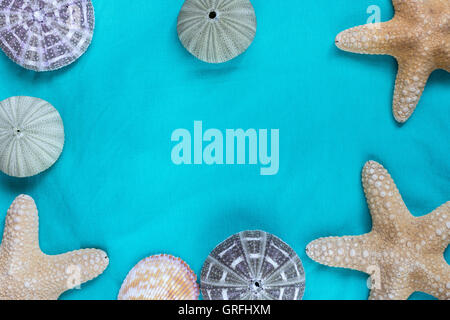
[[253, 265], [17, 133], [38, 16], [216, 31], [256, 286]]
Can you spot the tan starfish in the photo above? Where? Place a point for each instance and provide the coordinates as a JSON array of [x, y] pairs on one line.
[[26, 272], [403, 254], [418, 37]]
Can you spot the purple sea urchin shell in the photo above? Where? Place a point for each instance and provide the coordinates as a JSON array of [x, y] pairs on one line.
[[253, 265], [45, 35]]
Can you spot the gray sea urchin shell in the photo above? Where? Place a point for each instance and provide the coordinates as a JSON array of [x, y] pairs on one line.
[[253, 265], [216, 31], [45, 35]]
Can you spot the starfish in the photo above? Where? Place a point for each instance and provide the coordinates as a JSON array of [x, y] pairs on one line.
[[26, 272], [403, 254], [418, 37]]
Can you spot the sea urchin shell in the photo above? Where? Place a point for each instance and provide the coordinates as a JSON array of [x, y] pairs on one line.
[[253, 265], [31, 136], [161, 277], [216, 31], [45, 35]]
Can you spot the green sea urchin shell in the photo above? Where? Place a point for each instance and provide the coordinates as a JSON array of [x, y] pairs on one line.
[[216, 31], [31, 136]]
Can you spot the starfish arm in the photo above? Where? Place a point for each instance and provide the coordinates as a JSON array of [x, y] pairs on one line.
[[390, 294], [443, 55], [69, 270], [409, 9], [379, 38], [435, 229], [353, 252], [434, 278], [390, 280], [21, 232], [384, 200], [413, 74], [26, 272]]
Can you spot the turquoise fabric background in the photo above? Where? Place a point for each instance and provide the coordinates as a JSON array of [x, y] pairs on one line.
[[115, 187]]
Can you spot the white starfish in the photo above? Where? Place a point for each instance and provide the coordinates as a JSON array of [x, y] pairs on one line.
[[418, 37], [402, 253], [26, 272]]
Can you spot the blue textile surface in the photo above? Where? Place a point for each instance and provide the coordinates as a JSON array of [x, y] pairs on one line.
[[116, 188]]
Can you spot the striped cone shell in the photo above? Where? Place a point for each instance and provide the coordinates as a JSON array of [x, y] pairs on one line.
[[216, 31], [45, 35], [161, 277], [253, 265], [31, 136]]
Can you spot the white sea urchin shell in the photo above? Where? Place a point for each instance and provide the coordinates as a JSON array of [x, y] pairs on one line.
[[31, 136], [216, 31]]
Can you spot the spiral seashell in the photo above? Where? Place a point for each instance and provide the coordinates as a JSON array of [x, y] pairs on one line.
[[161, 277], [31, 136], [45, 35], [253, 265], [216, 31]]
